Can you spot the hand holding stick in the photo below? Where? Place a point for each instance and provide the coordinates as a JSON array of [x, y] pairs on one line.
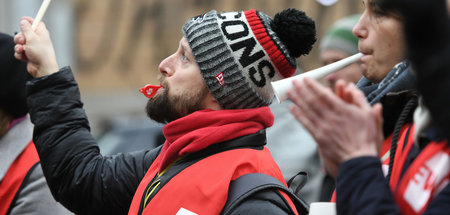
[[35, 39]]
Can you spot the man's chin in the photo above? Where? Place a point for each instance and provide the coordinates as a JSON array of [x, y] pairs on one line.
[[159, 108], [164, 110]]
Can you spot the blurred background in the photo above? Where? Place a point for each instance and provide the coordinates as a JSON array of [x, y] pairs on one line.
[[115, 46]]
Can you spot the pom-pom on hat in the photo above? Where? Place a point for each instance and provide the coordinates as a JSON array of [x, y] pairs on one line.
[[240, 53], [13, 76]]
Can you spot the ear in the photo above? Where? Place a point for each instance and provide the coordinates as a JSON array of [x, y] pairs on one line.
[[211, 103]]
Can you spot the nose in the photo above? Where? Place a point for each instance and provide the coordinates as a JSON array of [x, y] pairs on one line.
[[166, 66], [360, 30]]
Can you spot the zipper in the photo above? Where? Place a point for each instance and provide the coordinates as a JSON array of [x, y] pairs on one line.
[[151, 187]]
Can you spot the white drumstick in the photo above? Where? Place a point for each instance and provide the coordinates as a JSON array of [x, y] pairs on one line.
[[282, 86], [40, 14]]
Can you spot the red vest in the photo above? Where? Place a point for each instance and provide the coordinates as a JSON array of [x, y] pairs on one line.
[[385, 151], [15, 176], [202, 188], [427, 175]]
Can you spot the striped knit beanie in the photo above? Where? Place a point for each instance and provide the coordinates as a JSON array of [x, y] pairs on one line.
[[340, 36], [240, 53]]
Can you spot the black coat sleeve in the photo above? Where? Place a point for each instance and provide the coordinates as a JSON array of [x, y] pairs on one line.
[[79, 177], [362, 189], [440, 204]]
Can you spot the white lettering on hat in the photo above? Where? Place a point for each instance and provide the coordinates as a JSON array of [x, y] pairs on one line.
[[246, 48], [234, 29]]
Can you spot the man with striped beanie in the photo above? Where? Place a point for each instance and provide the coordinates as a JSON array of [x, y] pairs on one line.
[[213, 95], [245, 49]]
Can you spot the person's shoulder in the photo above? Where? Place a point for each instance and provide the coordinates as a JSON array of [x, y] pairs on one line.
[[264, 202], [36, 195]]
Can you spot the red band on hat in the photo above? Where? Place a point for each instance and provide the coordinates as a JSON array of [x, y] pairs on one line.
[[276, 56]]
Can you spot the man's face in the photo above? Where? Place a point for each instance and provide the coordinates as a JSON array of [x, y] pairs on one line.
[[381, 40], [350, 73], [183, 89]]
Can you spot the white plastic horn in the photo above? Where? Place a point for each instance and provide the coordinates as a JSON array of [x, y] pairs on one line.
[[280, 87]]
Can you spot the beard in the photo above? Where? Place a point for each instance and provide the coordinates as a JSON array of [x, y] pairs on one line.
[[165, 109]]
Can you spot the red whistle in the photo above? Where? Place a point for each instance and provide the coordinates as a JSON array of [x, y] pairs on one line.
[[149, 90]]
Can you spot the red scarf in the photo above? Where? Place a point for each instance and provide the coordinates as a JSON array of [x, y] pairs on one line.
[[203, 128]]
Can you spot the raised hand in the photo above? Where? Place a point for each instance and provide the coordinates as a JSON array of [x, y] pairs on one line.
[[36, 48], [344, 125]]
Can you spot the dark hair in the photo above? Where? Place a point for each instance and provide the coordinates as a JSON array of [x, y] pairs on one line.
[[386, 8], [13, 76]]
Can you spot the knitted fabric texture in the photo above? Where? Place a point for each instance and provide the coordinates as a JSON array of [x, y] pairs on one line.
[[240, 53], [340, 37]]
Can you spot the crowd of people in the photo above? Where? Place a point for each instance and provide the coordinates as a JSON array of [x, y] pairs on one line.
[[379, 128]]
